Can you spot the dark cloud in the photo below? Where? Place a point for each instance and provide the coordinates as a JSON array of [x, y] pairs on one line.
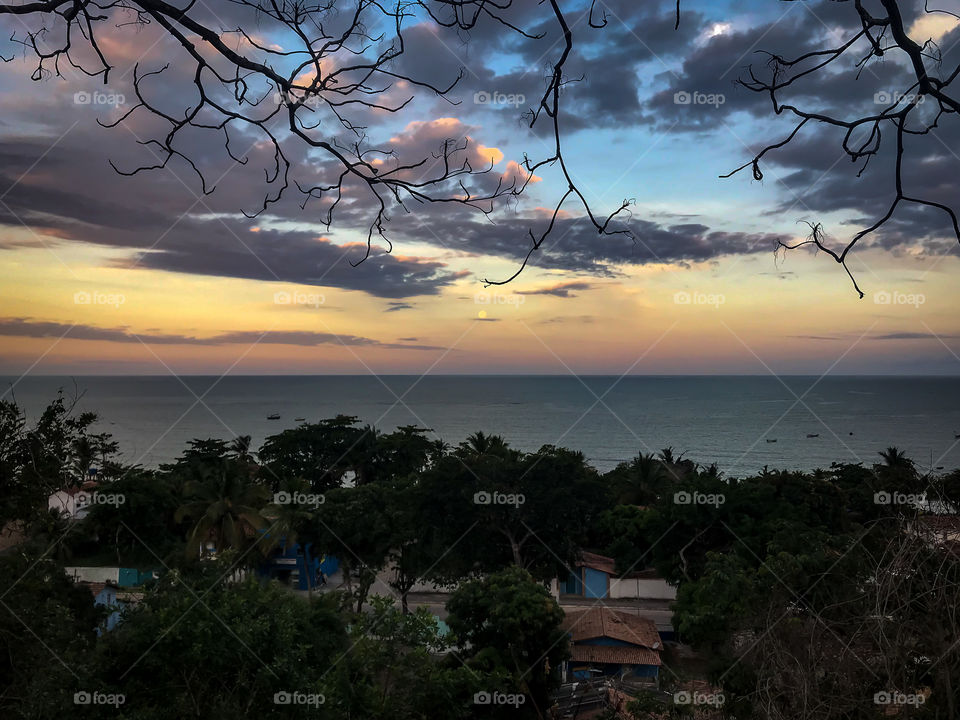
[[395, 306], [563, 289], [575, 245], [27, 327], [563, 319], [913, 336], [70, 196]]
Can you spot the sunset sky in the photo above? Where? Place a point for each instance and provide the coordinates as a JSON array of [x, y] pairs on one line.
[[104, 274]]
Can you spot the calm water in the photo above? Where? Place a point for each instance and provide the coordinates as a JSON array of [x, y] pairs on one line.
[[721, 419]]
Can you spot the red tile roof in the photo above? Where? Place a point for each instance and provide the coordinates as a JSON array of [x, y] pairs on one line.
[[597, 562], [614, 655], [604, 622]]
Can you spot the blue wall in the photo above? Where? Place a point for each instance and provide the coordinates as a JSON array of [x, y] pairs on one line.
[[305, 563], [595, 583]]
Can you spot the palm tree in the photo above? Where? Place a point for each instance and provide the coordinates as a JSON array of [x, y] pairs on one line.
[[647, 475], [225, 507], [895, 459], [288, 520], [480, 444]]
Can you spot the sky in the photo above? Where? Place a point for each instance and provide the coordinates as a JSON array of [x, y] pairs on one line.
[[107, 273]]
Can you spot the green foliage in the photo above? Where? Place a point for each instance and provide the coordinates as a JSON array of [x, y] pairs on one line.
[[503, 507], [55, 454], [141, 529], [507, 624], [200, 647], [398, 669], [46, 634], [222, 503]]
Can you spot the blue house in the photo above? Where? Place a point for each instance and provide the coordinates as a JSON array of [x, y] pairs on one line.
[[297, 565], [114, 599], [590, 578], [607, 642]]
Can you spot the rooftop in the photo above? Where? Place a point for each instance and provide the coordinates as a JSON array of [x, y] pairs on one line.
[[604, 622]]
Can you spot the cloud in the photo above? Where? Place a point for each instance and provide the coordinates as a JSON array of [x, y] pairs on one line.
[[28, 327], [563, 289], [395, 306], [563, 319], [574, 244], [913, 336]]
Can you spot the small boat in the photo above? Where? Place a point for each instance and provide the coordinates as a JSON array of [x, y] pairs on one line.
[[813, 435], [274, 416], [299, 419], [771, 440]]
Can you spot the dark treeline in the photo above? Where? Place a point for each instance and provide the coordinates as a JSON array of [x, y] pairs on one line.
[[806, 593]]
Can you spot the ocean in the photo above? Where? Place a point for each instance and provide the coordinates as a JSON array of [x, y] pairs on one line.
[[722, 419]]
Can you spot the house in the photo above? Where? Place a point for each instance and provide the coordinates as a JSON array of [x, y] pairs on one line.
[[606, 642], [118, 576], [642, 592], [590, 578], [72, 502], [297, 565], [115, 599]]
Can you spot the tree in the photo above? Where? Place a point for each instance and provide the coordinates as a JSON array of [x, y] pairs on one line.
[[507, 622], [398, 668], [142, 527], [340, 60], [321, 453], [503, 507], [57, 453], [225, 508], [197, 646], [353, 524], [47, 631]]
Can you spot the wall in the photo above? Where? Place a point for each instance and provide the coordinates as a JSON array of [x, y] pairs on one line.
[[95, 574], [594, 583], [655, 588]]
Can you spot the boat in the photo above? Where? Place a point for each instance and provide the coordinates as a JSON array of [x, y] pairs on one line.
[[812, 435], [299, 419], [274, 416], [771, 440]]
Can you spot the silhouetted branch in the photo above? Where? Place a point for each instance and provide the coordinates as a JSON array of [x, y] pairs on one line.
[[880, 35]]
